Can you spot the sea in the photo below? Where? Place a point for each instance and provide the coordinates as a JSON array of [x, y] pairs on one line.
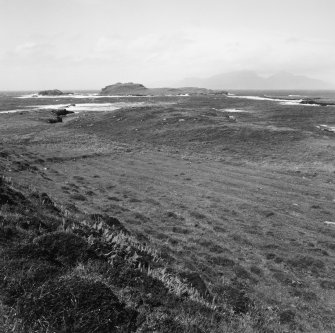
[[77, 101], [90, 100]]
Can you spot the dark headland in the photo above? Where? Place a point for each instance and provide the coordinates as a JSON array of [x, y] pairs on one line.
[[52, 92]]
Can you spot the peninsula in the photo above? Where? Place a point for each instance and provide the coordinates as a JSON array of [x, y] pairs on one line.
[[137, 89]]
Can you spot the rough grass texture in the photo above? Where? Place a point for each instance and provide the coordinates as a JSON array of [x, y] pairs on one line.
[[88, 274], [224, 220]]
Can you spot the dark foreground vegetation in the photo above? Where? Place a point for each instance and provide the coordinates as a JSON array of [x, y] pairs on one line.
[[70, 272]]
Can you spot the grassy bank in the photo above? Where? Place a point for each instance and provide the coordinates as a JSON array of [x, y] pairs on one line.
[[70, 272]]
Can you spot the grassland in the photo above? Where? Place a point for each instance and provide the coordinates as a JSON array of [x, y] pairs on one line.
[[210, 225]]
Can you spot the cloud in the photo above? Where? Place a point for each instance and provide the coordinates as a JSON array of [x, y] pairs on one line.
[[173, 54], [25, 48], [28, 53], [292, 40], [31, 49]]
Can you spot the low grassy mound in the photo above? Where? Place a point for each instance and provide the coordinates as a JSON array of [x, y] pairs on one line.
[[75, 304], [61, 247]]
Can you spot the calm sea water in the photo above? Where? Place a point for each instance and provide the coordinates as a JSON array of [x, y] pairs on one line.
[[18, 101]]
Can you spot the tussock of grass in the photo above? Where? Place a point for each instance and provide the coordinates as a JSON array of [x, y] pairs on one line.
[[62, 247], [307, 263], [75, 304], [175, 286]]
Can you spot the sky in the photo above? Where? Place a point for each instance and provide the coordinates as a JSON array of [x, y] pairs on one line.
[[88, 44]]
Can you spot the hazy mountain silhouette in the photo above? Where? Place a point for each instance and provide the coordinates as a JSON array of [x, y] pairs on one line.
[[251, 80]]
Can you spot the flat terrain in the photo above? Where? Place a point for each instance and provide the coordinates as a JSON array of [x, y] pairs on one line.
[[242, 200]]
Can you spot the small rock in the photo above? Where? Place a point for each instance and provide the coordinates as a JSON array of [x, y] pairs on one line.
[[268, 214], [61, 112]]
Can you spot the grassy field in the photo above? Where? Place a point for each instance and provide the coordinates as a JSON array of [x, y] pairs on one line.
[[225, 219]]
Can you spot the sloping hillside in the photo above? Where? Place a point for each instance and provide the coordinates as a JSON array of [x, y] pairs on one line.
[[70, 272]]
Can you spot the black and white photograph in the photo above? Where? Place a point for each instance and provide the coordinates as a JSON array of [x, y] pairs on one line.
[[167, 166]]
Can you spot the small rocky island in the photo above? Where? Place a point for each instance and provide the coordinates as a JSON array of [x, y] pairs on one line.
[[317, 101], [137, 89], [52, 92]]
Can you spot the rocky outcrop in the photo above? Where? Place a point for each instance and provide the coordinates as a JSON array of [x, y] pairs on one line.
[[61, 112], [326, 128], [316, 101], [124, 89], [53, 92], [58, 114], [137, 89], [55, 120]]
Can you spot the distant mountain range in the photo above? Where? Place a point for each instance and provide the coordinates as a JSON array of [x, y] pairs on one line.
[[251, 80]]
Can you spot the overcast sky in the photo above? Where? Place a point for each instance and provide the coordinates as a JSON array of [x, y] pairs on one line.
[[87, 44]]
